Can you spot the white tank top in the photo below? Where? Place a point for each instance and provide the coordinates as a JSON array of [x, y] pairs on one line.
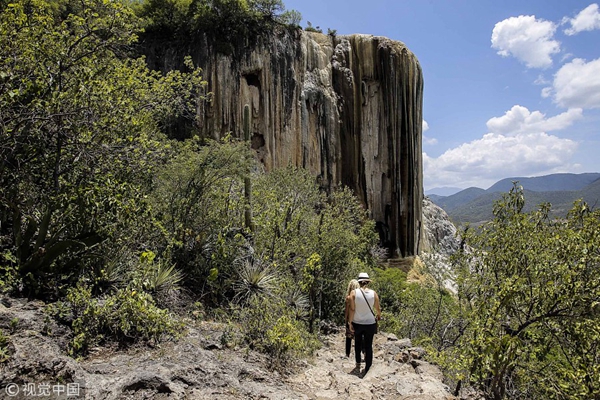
[[362, 313]]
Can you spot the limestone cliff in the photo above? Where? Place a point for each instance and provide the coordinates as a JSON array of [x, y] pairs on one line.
[[348, 108]]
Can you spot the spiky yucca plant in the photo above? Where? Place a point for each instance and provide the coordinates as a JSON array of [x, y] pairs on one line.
[[253, 279], [300, 303]]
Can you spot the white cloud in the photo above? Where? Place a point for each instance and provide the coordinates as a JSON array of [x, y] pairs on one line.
[[565, 57], [484, 161], [588, 19], [518, 145], [520, 120], [541, 80], [577, 84], [546, 92], [429, 140], [526, 38]]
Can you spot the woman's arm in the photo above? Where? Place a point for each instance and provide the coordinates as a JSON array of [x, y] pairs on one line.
[[347, 311], [377, 307], [351, 309]]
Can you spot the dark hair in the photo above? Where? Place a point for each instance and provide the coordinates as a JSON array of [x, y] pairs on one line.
[[363, 283]]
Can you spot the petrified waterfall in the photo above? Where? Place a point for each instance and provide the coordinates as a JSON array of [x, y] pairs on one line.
[[347, 108]]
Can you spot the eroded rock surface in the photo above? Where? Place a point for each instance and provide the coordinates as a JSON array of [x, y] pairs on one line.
[[347, 108], [440, 233]]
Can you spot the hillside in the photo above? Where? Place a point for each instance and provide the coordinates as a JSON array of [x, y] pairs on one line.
[[547, 183], [458, 199], [474, 205]]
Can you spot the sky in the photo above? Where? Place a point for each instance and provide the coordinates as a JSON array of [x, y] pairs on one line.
[[512, 88]]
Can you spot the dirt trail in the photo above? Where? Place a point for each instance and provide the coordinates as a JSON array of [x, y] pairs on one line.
[[397, 373]]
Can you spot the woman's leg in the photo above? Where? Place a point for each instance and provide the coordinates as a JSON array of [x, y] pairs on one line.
[[358, 339], [369, 333], [348, 346]]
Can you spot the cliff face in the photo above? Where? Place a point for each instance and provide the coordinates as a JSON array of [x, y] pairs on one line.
[[347, 108]]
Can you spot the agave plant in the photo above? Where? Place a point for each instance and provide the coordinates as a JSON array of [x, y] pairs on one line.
[[254, 279], [158, 276], [114, 273], [164, 278], [300, 303]]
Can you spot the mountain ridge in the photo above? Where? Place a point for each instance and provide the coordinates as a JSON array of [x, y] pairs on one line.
[[475, 205]]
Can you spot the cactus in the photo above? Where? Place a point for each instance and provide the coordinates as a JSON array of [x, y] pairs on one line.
[[247, 183]]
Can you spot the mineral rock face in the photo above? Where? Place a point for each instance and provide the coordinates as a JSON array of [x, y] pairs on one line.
[[347, 108]]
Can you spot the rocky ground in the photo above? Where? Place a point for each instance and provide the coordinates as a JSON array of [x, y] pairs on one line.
[[199, 366]]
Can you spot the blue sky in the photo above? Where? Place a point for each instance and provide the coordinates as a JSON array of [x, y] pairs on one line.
[[512, 88]]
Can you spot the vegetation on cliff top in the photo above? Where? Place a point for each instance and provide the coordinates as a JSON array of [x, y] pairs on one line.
[[228, 22]]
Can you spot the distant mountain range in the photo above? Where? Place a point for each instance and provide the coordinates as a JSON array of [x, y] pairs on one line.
[[474, 205]]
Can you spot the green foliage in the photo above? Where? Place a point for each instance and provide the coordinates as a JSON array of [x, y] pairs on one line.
[[199, 202], [390, 285], [310, 272], [310, 28], [269, 325], [254, 279], [534, 289], [8, 271], [285, 337], [284, 214], [421, 311], [291, 18], [128, 316], [229, 22], [316, 240], [80, 134], [158, 278], [166, 16]]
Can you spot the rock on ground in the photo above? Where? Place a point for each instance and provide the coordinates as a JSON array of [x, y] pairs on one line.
[[198, 366]]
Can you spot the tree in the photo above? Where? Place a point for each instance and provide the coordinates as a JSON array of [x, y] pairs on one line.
[[319, 241], [198, 198], [80, 131], [534, 288]]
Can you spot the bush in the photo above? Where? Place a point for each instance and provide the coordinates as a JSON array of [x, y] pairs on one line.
[[127, 317], [533, 287], [268, 325], [390, 285], [8, 272]]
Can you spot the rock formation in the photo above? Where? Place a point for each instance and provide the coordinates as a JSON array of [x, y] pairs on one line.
[[347, 108], [440, 234]]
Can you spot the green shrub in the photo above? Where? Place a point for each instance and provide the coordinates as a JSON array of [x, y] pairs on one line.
[[390, 285], [269, 326], [285, 337], [533, 289], [127, 317], [8, 272]]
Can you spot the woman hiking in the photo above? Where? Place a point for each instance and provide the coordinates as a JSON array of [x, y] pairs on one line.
[[365, 311]]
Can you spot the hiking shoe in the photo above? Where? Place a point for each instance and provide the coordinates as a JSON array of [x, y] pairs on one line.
[[356, 370]]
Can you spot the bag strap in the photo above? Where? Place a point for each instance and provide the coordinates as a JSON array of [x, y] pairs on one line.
[[367, 301]]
